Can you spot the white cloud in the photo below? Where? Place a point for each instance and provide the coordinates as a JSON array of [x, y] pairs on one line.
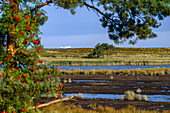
[[75, 41], [65, 47]]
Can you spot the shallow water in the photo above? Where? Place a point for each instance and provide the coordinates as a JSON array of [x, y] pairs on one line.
[[153, 98], [113, 67], [90, 80]]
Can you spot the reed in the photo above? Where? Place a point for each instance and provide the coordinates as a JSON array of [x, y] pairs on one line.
[[117, 60], [151, 71]]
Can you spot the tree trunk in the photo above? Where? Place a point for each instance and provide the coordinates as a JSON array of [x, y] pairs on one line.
[[10, 44]]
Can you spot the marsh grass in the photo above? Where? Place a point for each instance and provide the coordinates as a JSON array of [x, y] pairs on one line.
[[132, 60], [61, 108], [121, 56], [156, 71], [151, 71]]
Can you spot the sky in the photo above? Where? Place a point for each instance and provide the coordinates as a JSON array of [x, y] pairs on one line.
[[84, 30]]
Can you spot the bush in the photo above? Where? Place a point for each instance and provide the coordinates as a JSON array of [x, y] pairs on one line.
[[129, 95]]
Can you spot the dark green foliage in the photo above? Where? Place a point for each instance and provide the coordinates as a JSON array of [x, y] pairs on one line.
[[134, 18], [124, 19], [102, 49]]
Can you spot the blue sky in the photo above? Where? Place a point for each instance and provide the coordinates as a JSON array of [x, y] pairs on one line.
[[84, 30]]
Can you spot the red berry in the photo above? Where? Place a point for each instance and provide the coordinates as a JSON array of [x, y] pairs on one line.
[[9, 26], [21, 32], [25, 41], [7, 59], [24, 82], [28, 22], [24, 110], [38, 15], [26, 16], [25, 76], [40, 61], [12, 28], [61, 85], [38, 104], [32, 68], [28, 29], [11, 1], [18, 18], [37, 80], [39, 49], [59, 96], [36, 42], [32, 35], [19, 77]]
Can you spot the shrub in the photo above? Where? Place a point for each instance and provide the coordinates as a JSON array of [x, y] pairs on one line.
[[129, 95], [22, 83], [145, 98], [138, 97]]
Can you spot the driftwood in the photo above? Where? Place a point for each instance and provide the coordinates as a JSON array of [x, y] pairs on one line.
[[53, 102]]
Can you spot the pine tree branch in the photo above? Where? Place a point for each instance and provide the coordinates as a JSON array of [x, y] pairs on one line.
[[96, 9], [43, 4]]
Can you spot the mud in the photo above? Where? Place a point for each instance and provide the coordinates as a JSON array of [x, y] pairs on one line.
[[118, 84]]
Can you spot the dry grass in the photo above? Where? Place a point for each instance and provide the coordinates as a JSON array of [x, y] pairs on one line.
[[61, 108], [118, 51]]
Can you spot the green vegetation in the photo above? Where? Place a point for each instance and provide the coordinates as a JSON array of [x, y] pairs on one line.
[[102, 49], [93, 108], [150, 71], [121, 56]]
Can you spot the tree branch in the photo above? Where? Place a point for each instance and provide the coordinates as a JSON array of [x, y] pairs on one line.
[[46, 3], [94, 8]]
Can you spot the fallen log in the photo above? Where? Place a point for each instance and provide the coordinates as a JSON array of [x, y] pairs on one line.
[[53, 102]]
